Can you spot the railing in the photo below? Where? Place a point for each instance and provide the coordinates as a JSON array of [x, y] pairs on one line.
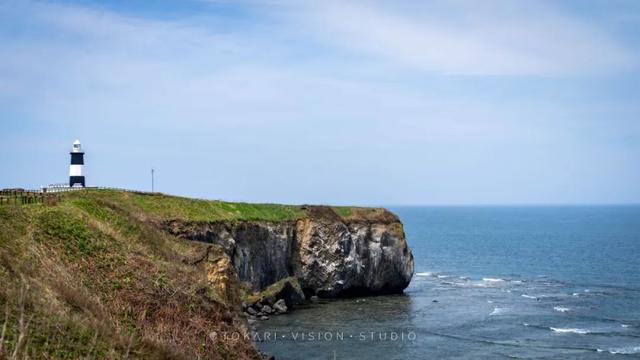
[[24, 197]]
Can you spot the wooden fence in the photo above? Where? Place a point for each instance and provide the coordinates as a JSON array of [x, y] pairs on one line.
[[24, 197]]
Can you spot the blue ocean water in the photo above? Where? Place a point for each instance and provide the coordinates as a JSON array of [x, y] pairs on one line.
[[490, 282]]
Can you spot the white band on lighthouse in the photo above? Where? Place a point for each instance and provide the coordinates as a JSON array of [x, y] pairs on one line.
[[75, 170]]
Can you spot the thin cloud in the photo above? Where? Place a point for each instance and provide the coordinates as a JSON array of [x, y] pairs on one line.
[[472, 38]]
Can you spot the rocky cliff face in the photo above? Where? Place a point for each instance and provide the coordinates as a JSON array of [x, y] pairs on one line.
[[329, 255]]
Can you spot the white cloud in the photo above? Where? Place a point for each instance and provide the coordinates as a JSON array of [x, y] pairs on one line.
[[471, 37]]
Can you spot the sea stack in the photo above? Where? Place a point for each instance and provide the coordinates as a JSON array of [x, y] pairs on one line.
[[76, 177]]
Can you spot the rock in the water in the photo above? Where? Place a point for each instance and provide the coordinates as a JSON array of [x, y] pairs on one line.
[[267, 309], [264, 317], [280, 306], [252, 311], [291, 292]]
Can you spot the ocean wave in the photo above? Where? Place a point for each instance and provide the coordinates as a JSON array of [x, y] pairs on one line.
[[529, 296], [561, 309], [570, 330], [493, 280], [424, 274], [625, 325], [628, 350], [497, 311]]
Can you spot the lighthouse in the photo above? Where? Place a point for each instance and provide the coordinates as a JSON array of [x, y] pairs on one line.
[[76, 177]]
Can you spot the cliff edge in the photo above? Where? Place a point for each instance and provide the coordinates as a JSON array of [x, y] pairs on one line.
[[362, 252]]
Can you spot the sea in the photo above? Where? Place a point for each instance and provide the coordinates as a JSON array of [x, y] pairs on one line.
[[537, 282]]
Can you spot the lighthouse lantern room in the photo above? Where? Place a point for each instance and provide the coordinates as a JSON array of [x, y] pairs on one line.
[[76, 175]]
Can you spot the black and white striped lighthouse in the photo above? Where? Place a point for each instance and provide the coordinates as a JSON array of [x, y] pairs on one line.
[[76, 177]]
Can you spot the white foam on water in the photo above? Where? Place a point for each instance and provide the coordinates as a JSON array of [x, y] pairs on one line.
[[529, 296], [576, 294], [570, 330], [561, 309], [625, 325], [479, 284], [443, 276], [424, 274], [493, 280], [497, 311], [627, 350]]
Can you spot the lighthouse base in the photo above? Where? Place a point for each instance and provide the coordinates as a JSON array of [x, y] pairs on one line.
[[76, 180]]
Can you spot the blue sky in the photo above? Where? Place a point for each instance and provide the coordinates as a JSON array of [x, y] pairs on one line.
[[367, 102]]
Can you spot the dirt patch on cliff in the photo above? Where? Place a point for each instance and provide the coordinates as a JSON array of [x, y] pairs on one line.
[[350, 214]]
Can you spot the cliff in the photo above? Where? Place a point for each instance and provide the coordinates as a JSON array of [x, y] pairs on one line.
[[119, 274], [364, 253]]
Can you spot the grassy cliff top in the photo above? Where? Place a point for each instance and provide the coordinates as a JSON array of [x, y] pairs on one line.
[[175, 207]]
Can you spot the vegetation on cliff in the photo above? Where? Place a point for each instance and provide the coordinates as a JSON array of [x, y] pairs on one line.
[[91, 278], [96, 277], [181, 208]]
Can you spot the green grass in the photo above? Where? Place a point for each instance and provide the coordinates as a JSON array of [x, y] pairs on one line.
[[67, 229], [343, 211], [174, 207], [207, 210], [182, 208]]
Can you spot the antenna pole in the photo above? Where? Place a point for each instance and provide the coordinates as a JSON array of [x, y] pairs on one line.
[[152, 183]]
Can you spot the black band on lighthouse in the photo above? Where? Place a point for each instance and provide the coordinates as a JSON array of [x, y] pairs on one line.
[[77, 158]]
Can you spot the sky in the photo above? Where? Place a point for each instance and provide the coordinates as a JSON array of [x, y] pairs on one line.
[[333, 102]]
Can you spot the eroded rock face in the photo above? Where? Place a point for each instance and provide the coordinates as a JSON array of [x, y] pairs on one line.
[[260, 251], [330, 256], [355, 258]]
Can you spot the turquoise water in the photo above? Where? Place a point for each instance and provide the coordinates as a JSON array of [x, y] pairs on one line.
[[490, 282]]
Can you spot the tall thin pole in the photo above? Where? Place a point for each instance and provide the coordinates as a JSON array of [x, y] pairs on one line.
[[152, 184]]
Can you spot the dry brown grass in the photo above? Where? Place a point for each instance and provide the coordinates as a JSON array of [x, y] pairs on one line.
[[116, 288]]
